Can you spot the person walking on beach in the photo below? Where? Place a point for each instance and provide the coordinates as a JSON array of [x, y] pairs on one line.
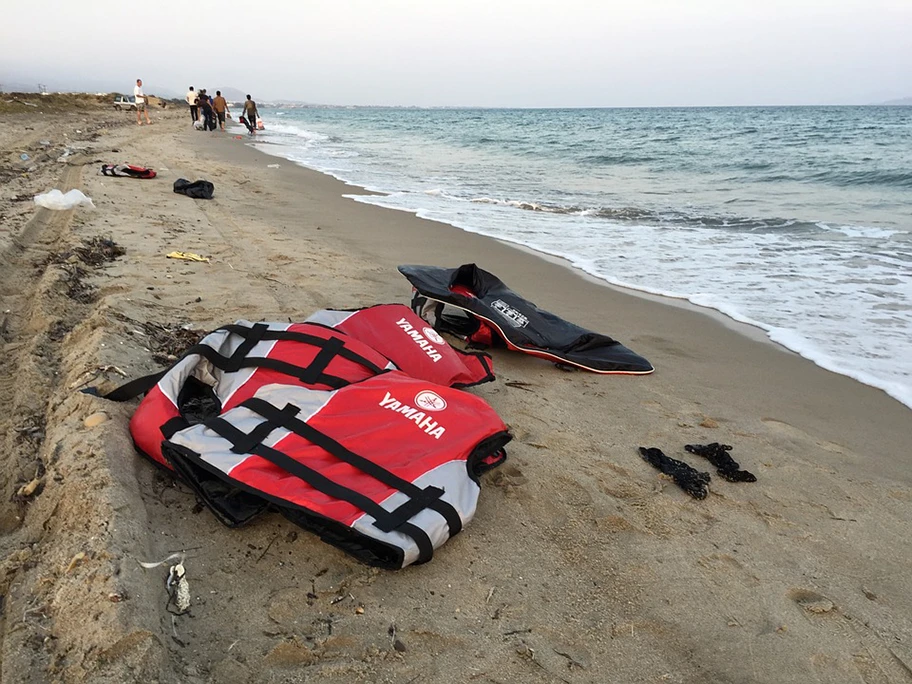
[[193, 101], [205, 103], [141, 101], [251, 113], [220, 105]]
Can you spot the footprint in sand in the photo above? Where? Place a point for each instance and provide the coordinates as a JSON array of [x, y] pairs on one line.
[[508, 476], [654, 406], [792, 432], [784, 428], [873, 654], [723, 563], [671, 347], [811, 601]]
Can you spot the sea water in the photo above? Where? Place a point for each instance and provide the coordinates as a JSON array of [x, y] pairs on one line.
[[797, 220]]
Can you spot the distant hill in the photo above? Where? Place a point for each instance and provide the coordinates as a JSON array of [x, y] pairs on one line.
[[903, 102]]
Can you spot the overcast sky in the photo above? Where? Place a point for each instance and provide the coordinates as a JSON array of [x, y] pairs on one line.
[[529, 53]]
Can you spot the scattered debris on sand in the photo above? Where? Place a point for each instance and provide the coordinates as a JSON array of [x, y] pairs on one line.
[[168, 341], [94, 251]]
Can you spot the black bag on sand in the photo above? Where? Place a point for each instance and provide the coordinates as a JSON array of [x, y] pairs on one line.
[[201, 189]]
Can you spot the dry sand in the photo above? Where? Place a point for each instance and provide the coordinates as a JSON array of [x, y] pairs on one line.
[[583, 564]]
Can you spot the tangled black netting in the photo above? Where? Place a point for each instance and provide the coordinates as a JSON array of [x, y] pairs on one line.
[[726, 466], [687, 478]]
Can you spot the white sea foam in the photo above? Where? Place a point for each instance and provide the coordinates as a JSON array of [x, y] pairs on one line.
[[299, 132], [862, 231]]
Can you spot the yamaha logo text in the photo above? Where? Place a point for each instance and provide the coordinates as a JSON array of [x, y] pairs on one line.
[[426, 341], [425, 401]]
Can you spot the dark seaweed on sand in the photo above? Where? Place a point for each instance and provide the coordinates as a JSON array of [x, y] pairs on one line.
[[94, 252], [168, 341], [687, 478]]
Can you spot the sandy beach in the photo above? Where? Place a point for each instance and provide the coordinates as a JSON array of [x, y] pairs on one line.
[[583, 563]]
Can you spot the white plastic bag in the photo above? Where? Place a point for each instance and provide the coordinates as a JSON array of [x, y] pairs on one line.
[[55, 199]]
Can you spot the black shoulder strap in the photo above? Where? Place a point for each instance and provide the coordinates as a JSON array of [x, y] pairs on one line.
[[130, 389]]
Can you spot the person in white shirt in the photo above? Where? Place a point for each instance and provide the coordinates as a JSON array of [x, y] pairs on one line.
[[193, 101], [140, 98]]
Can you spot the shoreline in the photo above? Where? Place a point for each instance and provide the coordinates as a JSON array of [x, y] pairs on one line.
[[754, 330], [750, 330], [583, 564]]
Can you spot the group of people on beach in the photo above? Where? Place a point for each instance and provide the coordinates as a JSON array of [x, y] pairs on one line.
[[206, 110]]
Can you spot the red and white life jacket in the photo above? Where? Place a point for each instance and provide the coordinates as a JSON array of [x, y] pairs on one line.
[[230, 364], [415, 347], [386, 469]]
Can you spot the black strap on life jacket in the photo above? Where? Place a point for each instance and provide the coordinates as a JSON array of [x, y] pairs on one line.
[[297, 336], [312, 374], [386, 521], [130, 389], [173, 425]]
